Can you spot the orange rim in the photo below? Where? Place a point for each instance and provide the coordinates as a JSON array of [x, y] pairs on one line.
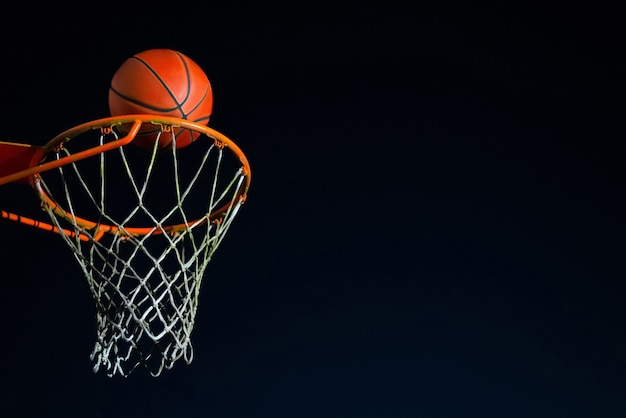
[[137, 120]]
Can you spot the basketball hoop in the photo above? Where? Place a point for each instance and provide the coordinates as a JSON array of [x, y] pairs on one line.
[[143, 226]]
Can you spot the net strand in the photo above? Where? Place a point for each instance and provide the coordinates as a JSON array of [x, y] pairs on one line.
[[145, 287]]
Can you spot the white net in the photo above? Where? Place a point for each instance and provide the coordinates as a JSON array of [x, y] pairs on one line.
[[155, 220]]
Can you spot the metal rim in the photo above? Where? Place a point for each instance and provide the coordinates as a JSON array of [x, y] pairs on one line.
[[137, 121]]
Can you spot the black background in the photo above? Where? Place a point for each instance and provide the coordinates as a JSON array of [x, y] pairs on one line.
[[435, 226]]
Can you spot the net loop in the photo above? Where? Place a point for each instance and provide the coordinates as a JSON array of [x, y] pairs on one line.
[[145, 226]]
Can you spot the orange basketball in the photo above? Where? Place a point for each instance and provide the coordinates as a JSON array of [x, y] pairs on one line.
[[162, 82]]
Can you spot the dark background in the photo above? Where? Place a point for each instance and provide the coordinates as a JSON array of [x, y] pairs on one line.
[[435, 226]]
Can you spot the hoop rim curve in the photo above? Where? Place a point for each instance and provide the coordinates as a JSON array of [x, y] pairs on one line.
[[137, 121]]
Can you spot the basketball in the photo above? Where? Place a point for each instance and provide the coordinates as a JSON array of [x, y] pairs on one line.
[[162, 82]]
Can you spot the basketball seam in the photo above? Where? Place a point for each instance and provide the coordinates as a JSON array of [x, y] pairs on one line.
[[204, 96], [142, 104], [184, 61], [179, 105]]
